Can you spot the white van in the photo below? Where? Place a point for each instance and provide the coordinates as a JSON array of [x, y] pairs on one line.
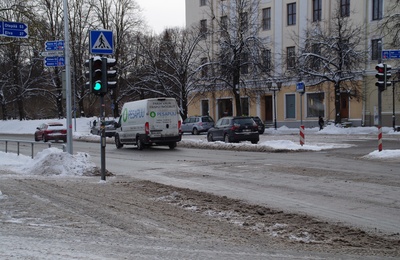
[[154, 121]]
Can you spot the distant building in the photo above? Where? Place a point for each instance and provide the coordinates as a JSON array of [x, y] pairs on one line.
[[283, 24]]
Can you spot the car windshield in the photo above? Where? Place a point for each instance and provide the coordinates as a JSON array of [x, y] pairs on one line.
[[207, 119], [55, 127], [109, 122], [243, 121], [258, 120]]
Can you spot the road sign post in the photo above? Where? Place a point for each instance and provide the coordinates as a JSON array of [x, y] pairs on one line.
[[54, 54], [390, 54], [101, 42], [13, 29]]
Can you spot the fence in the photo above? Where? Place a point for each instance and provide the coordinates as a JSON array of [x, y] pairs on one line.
[[32, 144]]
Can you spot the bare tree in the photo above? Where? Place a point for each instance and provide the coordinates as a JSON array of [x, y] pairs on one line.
[[391, 24], [20, 71], [239, 58], [332, 52], [172, 66]]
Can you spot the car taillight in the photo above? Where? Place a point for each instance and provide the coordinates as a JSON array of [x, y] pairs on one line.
[[235, 127], [147, 128], [179, 125]]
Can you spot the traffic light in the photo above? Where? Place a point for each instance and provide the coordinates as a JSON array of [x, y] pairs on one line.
[[383, 75], [88, 73], [98, 85], [111, 73], [388, 74]]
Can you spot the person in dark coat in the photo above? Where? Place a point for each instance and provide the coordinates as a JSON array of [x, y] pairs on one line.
[[321, 123]]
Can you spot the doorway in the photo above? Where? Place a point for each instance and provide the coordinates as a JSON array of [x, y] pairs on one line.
[[344, 105], [268, 110]]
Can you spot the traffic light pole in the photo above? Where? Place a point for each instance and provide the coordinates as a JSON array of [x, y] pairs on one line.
[[67, 78], [102, 138]]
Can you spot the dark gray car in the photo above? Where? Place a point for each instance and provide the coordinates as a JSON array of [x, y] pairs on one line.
[[234, 129], [197, 124]]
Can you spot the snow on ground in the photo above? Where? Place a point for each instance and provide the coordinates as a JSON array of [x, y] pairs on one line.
[[55, 162]]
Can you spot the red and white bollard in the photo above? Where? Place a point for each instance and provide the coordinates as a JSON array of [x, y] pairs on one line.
[[379, 138], [302, 139]]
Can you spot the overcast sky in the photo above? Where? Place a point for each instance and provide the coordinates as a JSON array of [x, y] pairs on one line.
[[163, 13]]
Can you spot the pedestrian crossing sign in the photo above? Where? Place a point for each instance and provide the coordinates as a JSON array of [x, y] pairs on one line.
[[101, 42]]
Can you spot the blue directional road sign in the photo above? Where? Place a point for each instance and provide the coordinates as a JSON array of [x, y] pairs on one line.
[[390, 54], [101, 42], [13, 29], [54, 45], [54, 61], [54, 54]]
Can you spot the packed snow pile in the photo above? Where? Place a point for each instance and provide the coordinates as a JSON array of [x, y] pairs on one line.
[[388, 154], [265, 146], [53, 161]]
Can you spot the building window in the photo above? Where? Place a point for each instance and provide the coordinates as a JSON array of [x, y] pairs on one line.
[[290, 57], [224, 23], [375, 55], [224, 26], [266, 19], [267, 60], [315, 104], [245, 106], [244, 21], [203, 28], [377, 9], [204, 68], [290, 106], [203, 2], [244, 64], [316, 61], [317, 10], [205, 109], [345, 8], [291, 14]]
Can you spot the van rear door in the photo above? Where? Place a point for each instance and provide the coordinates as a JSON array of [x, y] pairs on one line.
[[163, 117]]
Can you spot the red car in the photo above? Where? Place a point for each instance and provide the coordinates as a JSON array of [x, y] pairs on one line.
[[51, 131]]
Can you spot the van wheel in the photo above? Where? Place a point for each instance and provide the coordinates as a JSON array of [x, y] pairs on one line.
[[210, 138], [172, 145], [226, 138], [118, 143], [139, 144], [195, 131]]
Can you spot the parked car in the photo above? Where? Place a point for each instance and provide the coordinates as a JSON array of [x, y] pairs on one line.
[[261, 125], [234, 129], [109, 126], [51, 131], [197, 124]]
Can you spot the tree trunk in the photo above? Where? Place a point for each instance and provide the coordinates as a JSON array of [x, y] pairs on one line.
[[21, 111], [236, 91], [337, 103]]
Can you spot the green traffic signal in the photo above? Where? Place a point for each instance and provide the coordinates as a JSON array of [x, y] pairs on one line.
[[97, 86]]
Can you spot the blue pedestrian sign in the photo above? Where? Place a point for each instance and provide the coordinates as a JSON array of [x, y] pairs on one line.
[[101, 42], [13, 29]]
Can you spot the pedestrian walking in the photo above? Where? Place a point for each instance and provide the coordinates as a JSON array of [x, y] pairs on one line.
[[321, 123]]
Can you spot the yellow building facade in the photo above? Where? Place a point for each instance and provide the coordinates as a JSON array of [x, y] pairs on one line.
[[283, 105]]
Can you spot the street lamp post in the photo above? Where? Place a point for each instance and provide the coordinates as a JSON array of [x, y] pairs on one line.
[[274, 88]]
